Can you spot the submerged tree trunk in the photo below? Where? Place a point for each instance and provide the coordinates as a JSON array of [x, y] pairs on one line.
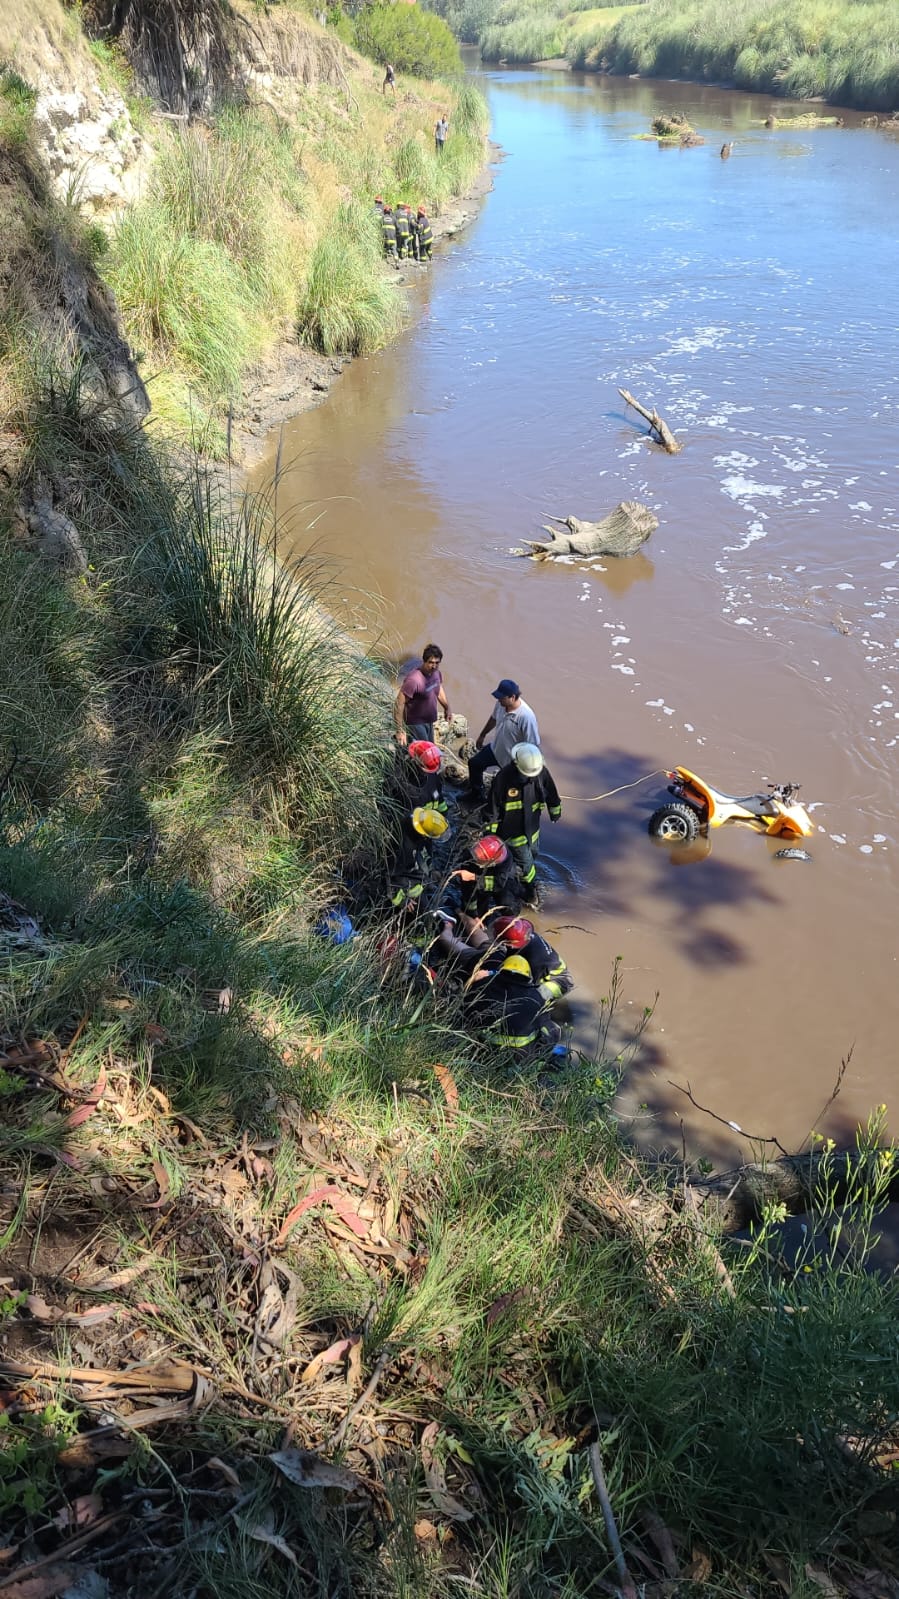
[[620, 533], [734, 1200]]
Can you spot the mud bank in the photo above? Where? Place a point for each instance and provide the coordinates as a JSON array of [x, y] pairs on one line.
[[294, 378]]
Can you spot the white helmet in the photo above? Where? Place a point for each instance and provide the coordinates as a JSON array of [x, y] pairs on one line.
[[528, 759]]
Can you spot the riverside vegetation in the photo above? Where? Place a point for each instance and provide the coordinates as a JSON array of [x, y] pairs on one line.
[[257, 220], [300, 1294], [845, 51]]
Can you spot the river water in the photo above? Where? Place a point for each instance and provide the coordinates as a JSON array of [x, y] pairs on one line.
[[753, 301]]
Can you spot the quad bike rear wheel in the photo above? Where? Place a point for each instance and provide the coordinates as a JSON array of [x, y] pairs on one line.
[[675, 823]]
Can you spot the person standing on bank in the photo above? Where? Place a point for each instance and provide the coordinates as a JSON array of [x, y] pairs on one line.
[[519, 794], [389, 79], [440, 133], [388, 231], [423, 235], [403, 232], [513, 722], [421, 698]]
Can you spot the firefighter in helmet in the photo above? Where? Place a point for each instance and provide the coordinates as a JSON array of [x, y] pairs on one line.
[[519, 794], [547, 967], [388, 230], [403, 232], [512, 1010], [407, 879], [424, 235], [488, 881], [422, 775]]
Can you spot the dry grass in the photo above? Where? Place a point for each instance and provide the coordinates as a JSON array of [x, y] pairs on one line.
[[44, 43]]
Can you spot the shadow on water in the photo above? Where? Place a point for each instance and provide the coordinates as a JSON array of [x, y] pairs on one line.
[[694, 883]]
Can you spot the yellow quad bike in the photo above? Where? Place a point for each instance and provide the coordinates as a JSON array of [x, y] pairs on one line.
[[697, 806]]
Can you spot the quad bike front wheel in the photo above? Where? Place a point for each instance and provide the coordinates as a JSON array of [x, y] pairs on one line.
[[675, 823]]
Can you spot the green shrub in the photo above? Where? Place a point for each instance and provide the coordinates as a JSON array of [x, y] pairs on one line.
[[349, 304], [411, 39]]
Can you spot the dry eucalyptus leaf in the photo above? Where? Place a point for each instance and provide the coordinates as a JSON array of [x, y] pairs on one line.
[[310, 1471]]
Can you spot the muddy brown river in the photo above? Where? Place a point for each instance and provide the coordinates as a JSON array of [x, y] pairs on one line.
[[753, 301]]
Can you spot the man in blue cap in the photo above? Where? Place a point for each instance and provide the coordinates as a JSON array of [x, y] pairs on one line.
[[512, 722]]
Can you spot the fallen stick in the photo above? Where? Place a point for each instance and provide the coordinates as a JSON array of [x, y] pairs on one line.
[[340, 1432], [657, 425], [608, 1516]]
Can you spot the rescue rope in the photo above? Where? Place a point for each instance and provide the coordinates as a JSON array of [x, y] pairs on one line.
[[590, 799]]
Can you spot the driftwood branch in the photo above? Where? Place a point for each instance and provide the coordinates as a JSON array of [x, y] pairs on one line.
[[753, 1138], [658, 427]]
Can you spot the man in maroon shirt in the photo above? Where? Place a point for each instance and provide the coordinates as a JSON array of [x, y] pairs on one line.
[[421, 693]]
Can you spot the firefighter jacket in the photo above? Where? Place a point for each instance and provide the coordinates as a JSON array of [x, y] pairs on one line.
[[548, 969], [403, 232], [516, 804], [512, 1009], [425, 238], [422, 788], [490, 889], [388, 228]]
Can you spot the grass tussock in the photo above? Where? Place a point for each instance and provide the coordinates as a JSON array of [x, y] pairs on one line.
[[348, 303]]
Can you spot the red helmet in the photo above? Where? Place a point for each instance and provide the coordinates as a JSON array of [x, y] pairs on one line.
[[489, 851], [516, 931], [425, 754]]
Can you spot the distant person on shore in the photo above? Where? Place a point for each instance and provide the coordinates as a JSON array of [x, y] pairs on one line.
[[388, 228], [403, 232], [389, 78], [424, 236], [421, 698], [513, 722], [379, 206], [440, 133]]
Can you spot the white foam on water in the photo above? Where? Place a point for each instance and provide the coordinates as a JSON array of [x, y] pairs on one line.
[[865, 849], [741, 488], [754, 532]]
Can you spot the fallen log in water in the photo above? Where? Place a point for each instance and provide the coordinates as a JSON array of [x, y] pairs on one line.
[[657, 426], [736, 1199], [620, 533]]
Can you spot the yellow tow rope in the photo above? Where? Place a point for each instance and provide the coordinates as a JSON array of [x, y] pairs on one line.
[[580, 799], [590, 799]]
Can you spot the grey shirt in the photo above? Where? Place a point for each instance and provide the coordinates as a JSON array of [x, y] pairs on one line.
[[513, 727]]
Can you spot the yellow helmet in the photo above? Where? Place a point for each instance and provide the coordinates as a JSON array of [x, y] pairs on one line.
[[429, 822], [516, 963]]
